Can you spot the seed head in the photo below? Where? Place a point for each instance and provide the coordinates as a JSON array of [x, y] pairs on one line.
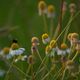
[[14, 46], [6, 50]]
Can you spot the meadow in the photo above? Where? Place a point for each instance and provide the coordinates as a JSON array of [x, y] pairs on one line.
[[39, 39]]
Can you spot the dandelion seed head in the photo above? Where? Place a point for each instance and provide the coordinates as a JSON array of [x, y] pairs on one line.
[[14, 46]]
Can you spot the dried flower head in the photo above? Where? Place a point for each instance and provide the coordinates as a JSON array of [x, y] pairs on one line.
[[75, 35], [53, 43], [72, 7], [42, 8], [6, 50], [45, 38], [35, 40], [51, 11], [30, 59], [14, 46]]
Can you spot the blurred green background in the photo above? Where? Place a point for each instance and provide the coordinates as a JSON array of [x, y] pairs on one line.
[[24, 15]]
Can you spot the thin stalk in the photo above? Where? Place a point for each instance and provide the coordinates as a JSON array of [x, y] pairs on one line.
[[45, 24], [68, 24], [51, 28], [64, 73], [6, 77], [66, 32], [75, 56], [21, 71]]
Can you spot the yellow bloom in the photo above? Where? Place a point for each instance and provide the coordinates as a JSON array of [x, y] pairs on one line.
[[47, 49], [53, 43], [45, 36]]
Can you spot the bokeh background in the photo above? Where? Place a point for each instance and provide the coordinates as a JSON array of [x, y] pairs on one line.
[[23, 14]]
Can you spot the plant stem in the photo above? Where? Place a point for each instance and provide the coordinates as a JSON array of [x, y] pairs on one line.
[[45, 24]]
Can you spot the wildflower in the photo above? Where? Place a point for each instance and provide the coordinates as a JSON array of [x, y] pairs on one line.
[[42, 8], [6, 53], [48, 50], [64, 49], [17, 52], [14, 46], [53, 46], [51, 11], [35, 41], [30, 59], [45, 38], [72, 7], [73, 37]]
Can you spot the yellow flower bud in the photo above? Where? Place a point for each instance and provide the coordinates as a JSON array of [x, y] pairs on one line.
[[45, 36]]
